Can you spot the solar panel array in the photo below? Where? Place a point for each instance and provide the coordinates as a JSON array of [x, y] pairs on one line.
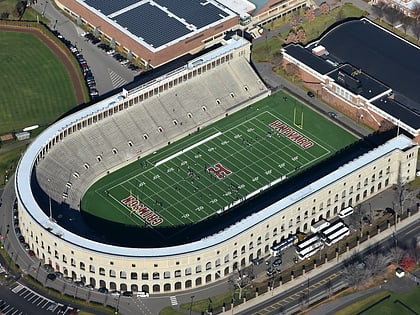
[[108, 7], [152, 24], [193, 11], [158, 22]]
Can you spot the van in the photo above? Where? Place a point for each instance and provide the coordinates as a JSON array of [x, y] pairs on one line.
[[142, 294]]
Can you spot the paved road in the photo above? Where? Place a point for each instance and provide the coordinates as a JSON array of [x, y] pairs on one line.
[[108, 73]]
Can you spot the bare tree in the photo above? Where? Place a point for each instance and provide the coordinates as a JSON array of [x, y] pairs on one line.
[[416, 11], [375, 264], [416, 30], [292, 70], [295, 21], [240, 279], [355, 274], [396, 254], [393, 15], [406, 22], [310, 14], [379, 9], [324, 8]]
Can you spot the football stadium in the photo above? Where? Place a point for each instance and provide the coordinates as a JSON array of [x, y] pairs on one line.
[[174, 183]]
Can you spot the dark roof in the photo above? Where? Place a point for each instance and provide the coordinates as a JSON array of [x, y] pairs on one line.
[[160, 22], [408, 116], [357, 82], [308, 58], [379, 53], [152, 24], [108, 7]]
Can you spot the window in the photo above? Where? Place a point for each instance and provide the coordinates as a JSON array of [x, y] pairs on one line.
[[155, 275], [259, 240], [177, 273], [208, 266], [226, 258], [243, 250], [198, 269], [217, 263], [73, 262], [144, 276], [251, 245], [188, 271], [101, 271], [123, 275], [235, 254], [91, 269], [133, 276], [82, 265]]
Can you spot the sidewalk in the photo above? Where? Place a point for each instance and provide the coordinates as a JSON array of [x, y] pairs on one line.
[[300, 280]]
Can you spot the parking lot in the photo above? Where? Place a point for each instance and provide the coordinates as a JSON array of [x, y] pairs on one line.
[[40, 302]]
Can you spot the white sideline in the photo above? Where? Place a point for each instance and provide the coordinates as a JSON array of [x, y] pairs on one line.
[[187, 149]]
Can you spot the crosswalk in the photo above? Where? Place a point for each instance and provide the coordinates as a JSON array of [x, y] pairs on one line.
[[173, 299], [116, 79]]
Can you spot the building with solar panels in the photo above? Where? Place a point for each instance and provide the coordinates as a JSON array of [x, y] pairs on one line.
[[154, 31], [364, 71]]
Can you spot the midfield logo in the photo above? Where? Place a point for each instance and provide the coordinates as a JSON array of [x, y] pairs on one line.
[[219, 171]]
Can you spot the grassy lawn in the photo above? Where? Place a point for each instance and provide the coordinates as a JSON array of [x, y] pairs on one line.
[[7, 6], [393, 305], [8, 161], [181, 183], [36, 86]]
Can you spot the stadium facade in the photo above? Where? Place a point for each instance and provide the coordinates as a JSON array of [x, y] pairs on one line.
[[72, 154]]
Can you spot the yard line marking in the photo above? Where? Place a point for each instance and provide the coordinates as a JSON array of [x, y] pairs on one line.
[[187, 149]]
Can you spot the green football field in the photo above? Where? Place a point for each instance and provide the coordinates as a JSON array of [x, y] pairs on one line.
[[218, 167]]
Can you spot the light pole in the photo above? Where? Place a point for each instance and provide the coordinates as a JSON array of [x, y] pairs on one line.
[[192, 298], [118, 304]]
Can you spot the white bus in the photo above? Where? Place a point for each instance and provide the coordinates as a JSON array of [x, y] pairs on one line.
[[310, 250], [336, 236], [319, 226], [283, 245], [307, 241], [309, 246], [331, 229], [345, 212]]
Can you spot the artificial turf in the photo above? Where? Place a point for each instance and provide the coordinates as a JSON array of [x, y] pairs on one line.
[[179, 184]]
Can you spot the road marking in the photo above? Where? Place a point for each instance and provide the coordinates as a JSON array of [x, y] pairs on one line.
[[17, 288], [173, 300], [408, 232], [116, 79]]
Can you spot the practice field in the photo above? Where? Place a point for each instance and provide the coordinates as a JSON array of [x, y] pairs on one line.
[[221, 166], [36, 87]]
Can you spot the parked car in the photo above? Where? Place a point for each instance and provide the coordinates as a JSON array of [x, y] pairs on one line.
[[115, 293], [310, 94], [51, 276], [332, 114], [103, 290], [31, 253], [277, 262], [142, 294], [128, 293]]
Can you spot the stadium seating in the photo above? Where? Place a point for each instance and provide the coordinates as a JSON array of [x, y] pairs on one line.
[[111, 143]]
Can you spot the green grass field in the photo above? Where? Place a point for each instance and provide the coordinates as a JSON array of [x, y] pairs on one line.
[[177, 186], [395, 304], [35, 85]]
